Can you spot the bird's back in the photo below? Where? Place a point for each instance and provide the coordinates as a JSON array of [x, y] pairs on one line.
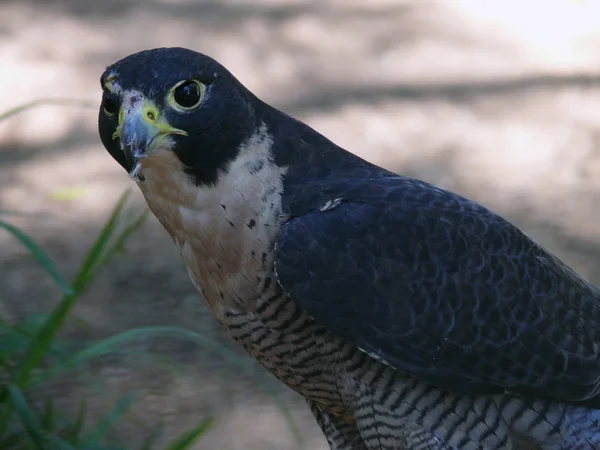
[[551, 306]]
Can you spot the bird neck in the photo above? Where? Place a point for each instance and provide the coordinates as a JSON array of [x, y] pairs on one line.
[[318, 170], [225, 232]]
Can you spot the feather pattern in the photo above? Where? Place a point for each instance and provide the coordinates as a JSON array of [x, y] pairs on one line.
[[437, 285], [407, 316]]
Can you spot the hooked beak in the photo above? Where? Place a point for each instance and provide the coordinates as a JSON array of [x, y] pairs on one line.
[[141, 129]]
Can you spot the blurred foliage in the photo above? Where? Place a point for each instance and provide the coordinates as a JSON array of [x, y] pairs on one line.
[[31, 354]]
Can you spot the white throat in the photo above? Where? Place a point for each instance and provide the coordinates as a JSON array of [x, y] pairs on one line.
[[224, 232]]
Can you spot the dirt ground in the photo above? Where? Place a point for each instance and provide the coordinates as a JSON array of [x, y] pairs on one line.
[[499, 101]]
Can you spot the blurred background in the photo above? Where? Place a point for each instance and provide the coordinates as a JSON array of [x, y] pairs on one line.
[[496, 100]]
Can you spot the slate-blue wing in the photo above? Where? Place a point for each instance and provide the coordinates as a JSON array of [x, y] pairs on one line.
[[441, 287]]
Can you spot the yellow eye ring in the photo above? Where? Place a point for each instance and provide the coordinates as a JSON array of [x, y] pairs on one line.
[[186, 95]]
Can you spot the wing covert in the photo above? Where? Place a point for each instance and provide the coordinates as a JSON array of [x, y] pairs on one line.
[[443, 288]]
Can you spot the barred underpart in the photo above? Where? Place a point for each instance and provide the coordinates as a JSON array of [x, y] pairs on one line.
[[361, 403]]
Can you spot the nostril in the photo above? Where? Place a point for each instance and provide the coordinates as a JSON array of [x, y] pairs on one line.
[[133, 100]]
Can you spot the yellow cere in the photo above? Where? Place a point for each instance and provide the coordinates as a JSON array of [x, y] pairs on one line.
[[151, 115]]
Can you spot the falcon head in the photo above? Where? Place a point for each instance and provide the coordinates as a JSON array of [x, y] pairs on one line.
[[197, 143], [174, 103]]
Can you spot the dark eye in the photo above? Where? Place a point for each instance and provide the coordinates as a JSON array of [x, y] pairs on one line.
[[188, 94], [110, 103]]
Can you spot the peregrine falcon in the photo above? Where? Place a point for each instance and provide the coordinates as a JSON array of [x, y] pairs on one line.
[[407, 316]]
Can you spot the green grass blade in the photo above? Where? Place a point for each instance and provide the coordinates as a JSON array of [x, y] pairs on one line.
[[11, 440], [153, 437], [47, 418], [5, 362], [56, 443], [189, 438], [38, 254], [26, 415], [116, 342], [102, 447], [6, 410], [75, 431], [119, 242], [86, 273], [96, 436], [44, 339], [16, 339]]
